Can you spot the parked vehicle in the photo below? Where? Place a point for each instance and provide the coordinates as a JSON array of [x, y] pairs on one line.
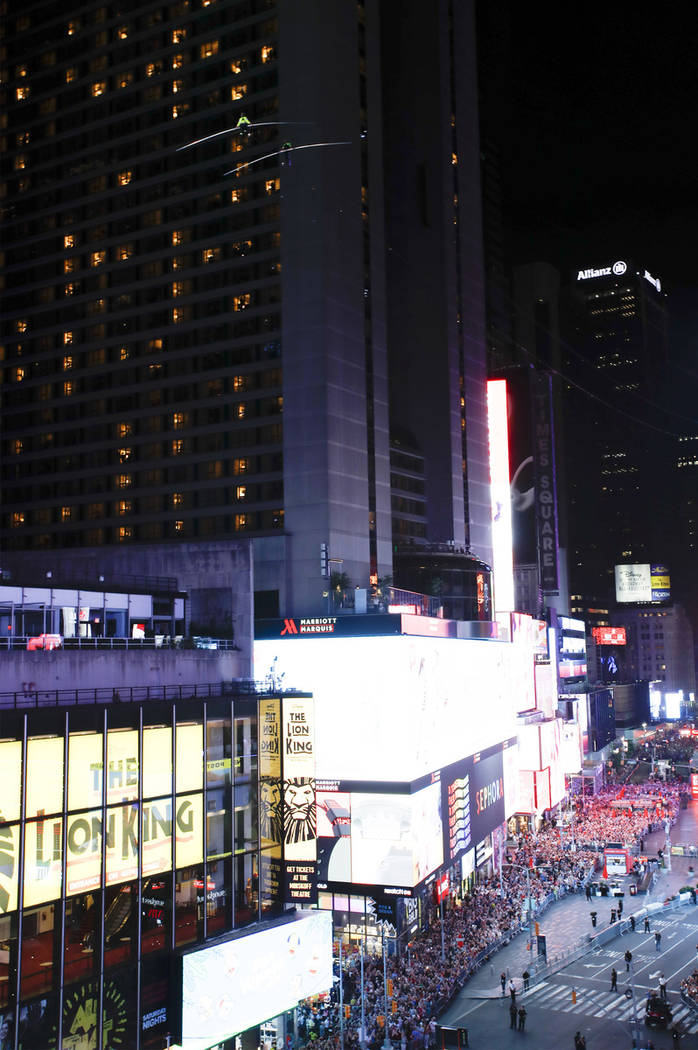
[[657, 1012], [45, 641]]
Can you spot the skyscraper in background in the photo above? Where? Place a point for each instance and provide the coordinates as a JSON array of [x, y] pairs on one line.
[[220, 340], [618, 447]]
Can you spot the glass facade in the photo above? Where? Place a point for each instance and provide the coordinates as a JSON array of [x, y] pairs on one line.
[[126, 832]]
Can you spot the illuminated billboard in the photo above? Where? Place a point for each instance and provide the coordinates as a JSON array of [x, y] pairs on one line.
[[609, 635], [398, 707], [500, 496], [233, 986], [642, 583]]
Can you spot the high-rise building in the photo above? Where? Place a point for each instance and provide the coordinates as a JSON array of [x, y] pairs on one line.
[[617, 444], [216, 341]]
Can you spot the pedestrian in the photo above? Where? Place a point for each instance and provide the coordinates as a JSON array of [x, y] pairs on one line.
[[526, 978], [613, 915], [512, 991], [588, 892], [628, 959], [512, 1015], [522, 1018], [647, 924], [657, 940], [620, 907], [614, 980], [662, 986], [593, 918], [503, 982], [632, 923]]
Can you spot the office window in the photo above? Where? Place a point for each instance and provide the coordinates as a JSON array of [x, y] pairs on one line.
[[123, 481], [210, 254], [124, 252], [242, 302], [125, 533], [268, 53], [125, 454], [67, 362], [17, 447], [124, 506], [238, 91], [69, 240], [67, 338], [177, 61], [179, 419], [241, 410], [22, 93], [124, 353], [19, 375], [242, 521], [99, 88], [209, 49], [97, 258], [179, 35], [18, 519], [124, 177], [241, 466], [177, 447], [67, 389], [66, 513], [124, 429], [179, 526], [177, 499], [241, 492], [125, 79]]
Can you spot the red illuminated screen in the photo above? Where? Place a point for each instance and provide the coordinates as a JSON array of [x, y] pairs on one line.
[[609, 635]]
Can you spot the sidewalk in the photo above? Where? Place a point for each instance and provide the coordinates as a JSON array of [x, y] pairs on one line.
[[568, 920]]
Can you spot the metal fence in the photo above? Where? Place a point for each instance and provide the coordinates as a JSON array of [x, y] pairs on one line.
[[32, 698]]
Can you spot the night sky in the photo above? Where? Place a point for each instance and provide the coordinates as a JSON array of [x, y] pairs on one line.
[[595, 110]]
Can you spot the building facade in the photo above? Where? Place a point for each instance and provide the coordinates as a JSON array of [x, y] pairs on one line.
[[207, 342], [134, 837]]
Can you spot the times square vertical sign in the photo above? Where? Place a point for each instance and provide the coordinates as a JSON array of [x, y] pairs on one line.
[[546, 495]]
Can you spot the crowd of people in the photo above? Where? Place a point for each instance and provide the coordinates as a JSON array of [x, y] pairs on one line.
[[543, 865], [689, 985]]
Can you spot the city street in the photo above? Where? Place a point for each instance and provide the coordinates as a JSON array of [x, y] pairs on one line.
[[602, 1016]]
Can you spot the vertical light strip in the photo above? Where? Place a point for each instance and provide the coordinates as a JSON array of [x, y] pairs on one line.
[[500, 497]]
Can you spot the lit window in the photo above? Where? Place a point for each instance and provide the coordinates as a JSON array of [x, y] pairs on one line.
[[123, 481], [177, 237], [241, 466], [17, 447], [70, 289], [179, 111], [125, 79], [66, 513], [125, 533], [210, 254], [177, 447], [454, 158], [20, 162], [99, 88], [124, 429], [21, 71], [123, 353], [124, 506], [178, 314], [267, 53], [67, 338], [21, 325], [177, 61], [19, 375], [69, 240], [67, 389], [177, 288], [179, 525], [209, 49], [272, 185], [97, 258], [242, 302], [70, 265], [73, 27], [71, 74], [238, 91], [237, 65], [178, 35], [242, 521], [237, 195], [22, 93], [124, 454], [177, 86], [178, 420], [177, 499], [124, 251], [239, 382], [241, 492], [241, 410], [155, 344], [67, 363], [17, 519], [122, 32], [124, 177]]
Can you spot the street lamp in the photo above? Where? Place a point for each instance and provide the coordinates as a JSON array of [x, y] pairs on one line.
[[387, 1045]]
